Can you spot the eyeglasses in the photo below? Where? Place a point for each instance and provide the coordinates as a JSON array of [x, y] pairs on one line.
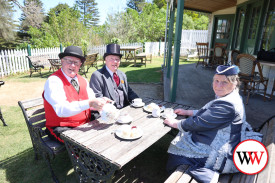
[[71, 62], [114, 59]]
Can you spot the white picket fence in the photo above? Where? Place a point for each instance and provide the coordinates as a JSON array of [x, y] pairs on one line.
[[15, 61], [188, 43]]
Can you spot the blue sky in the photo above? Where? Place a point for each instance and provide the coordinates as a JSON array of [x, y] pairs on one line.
[[105, 7]]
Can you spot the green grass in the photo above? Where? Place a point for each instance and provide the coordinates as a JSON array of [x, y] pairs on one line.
[[17, 163]]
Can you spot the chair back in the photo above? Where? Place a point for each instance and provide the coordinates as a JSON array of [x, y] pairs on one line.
[[202, 49], [246, 64], [218, 51], [223, 45], [234, 55]]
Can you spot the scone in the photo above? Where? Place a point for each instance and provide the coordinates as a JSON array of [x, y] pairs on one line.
[[134, 132]]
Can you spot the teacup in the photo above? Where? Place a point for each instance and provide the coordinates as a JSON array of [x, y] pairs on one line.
[[137, 101], [156, 112], [168, 112], [124, 117]]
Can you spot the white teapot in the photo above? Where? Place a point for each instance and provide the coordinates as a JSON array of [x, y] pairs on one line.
[[109, 113]]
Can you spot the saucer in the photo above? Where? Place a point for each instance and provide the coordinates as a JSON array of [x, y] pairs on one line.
[[127, 120], [139, 105], [147, 109], [121, 132]]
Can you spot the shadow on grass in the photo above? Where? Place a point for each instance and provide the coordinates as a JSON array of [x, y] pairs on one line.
[[24, 168], [148, 167], [44, 74]]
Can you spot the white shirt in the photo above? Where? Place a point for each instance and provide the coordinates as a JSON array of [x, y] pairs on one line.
[[54, 93], [110, 72]]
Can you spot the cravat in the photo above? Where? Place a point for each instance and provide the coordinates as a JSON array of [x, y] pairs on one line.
[[116, 79], [75, 85]]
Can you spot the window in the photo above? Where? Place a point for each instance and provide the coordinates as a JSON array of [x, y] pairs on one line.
[[223, 29], [254, 22], [268, 30]]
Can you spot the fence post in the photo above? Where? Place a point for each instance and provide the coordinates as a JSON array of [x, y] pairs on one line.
[[61, 48], [29, 50]]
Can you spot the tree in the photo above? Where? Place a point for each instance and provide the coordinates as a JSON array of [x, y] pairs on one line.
[[7, 26], [32, 14], [136, 4], [63, 28], [131, 26], [200, 20], [89, 12], [201, 23], [151, 25], [187, 22], [56, 10], [160, 3]]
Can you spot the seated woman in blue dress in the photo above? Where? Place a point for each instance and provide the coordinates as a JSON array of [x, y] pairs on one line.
[[208, 137]]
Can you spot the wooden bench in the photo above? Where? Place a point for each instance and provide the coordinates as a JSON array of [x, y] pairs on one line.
[[145, 56], [34, 114], [36, 63], [91, 61], [55, 63], [265, 176]]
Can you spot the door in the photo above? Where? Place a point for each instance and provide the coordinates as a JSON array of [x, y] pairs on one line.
[[222, 30], [253, 16]]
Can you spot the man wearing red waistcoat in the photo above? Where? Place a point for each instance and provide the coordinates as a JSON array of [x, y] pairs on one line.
[[67, 95]]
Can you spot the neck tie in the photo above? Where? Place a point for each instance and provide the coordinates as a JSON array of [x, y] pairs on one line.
[[75, 85], [116, 79]]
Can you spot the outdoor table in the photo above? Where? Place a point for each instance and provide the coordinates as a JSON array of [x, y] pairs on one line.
[[130, 52], [96, 152]]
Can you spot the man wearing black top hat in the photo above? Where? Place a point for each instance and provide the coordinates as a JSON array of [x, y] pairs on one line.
[[68, 99], [110, 82]]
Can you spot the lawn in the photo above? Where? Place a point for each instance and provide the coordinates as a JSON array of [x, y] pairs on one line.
[[17, 162]]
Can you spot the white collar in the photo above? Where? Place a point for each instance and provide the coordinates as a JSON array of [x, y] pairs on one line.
[[69, 78], [110, 72]]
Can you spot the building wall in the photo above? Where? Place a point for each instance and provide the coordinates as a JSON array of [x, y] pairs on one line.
[[226, 11]]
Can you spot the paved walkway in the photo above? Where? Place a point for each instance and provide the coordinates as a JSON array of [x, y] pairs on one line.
[[195, 89]]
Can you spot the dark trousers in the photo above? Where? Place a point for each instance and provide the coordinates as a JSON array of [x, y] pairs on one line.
[[54, 134], [196, 169]]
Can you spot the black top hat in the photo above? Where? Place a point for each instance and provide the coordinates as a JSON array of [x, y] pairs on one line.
[[112, 49], [73, 51]]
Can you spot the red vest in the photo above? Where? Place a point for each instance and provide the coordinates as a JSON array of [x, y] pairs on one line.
[[52, 120]]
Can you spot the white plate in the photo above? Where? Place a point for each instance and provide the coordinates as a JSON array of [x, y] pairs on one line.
[[119, 133], [149, 110], [127, 120], [140, 105], [173, 116]]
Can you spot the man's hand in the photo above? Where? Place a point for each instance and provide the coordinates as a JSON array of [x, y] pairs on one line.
[[184, 112], [107, 100], [171, 122], [97, 103]]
